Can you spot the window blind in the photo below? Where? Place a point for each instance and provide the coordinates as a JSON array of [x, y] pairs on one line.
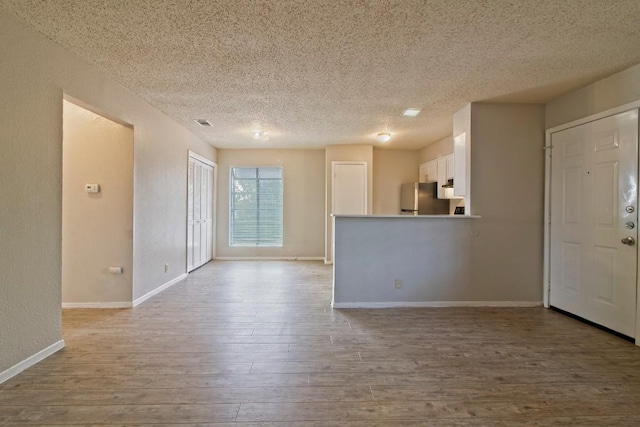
[[255, 207]]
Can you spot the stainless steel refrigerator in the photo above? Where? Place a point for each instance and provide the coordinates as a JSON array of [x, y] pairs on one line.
[[420, 198]]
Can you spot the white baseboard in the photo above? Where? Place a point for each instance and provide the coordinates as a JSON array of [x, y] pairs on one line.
[[269, 258], [123, 304], [418, 304], [159, 289], [30, 361]]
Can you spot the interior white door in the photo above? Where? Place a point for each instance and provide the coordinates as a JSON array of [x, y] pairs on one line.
[[593, 262], [204, 201], [190, 214], [350, 188], [209, 209], [197, 214], [200, 215]]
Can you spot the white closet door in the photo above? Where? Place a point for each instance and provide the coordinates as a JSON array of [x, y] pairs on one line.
[[197, 217], [209, 255], [199, 213], [190, 214], [204, 201]]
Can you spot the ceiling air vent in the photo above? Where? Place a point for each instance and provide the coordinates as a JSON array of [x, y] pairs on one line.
[[203, 122]]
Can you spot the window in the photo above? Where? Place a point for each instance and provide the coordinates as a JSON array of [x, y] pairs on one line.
[[255, 207]]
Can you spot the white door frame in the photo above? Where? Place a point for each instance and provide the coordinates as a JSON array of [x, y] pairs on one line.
[[546, 285], [214, 202]]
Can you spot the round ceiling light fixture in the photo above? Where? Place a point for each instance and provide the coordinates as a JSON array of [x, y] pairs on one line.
[[260, 135], [383, 137]]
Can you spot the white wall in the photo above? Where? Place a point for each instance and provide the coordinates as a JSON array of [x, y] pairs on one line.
[[97, 229], [618, 89], [339, 153], [34, 74], [391, 169], [303, 201]]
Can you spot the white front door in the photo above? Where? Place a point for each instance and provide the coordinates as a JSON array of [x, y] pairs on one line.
[[593, 261]]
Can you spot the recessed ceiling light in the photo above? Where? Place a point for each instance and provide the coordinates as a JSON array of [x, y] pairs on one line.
[[260, 135], [411, 112], [383, 137], [203, 122]]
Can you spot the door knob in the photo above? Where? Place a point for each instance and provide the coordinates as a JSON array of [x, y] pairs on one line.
[[630, 241]]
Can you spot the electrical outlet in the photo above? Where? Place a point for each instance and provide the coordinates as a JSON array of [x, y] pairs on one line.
[[166, 268], [398, 283]]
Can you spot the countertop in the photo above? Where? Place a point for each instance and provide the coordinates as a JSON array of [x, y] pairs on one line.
[[410, 216]]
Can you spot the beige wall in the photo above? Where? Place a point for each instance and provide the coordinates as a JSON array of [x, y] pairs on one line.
[[97, 229], [34, 74], [391, 168], [303, 201], [437, 149], [613, 91], [507, 180], [341, 153]]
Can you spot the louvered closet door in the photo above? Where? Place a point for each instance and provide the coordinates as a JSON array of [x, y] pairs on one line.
[[197, 217], [190, 214], [209, 209], [204, 201], [199, 214]]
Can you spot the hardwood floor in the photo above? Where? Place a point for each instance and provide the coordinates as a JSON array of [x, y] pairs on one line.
[[257, 344]]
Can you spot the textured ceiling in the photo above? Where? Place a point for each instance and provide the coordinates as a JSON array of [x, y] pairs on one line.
[[319, 72]]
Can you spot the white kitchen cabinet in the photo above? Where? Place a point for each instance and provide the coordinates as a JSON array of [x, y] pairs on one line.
[[462, 152], [450, 166], [429, 171], [445, 173]]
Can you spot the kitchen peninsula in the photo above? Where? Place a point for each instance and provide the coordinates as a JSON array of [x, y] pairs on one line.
[[402, 260]]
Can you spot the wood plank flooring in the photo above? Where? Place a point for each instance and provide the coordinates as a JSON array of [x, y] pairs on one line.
[[257, 344]]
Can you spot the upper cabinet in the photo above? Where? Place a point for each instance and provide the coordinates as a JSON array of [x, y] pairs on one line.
[[439, 170], [445, 173], [461, 151], [429, 171], [450, 166]]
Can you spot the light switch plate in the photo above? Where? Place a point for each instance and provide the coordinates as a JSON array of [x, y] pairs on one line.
[[92, 188]]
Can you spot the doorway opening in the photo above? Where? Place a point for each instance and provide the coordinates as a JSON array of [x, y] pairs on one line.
[[97, 210]]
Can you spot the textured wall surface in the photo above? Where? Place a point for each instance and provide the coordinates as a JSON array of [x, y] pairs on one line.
[[430, 256], [34, 73], [507, 183], [31, 195], [616, 90]]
